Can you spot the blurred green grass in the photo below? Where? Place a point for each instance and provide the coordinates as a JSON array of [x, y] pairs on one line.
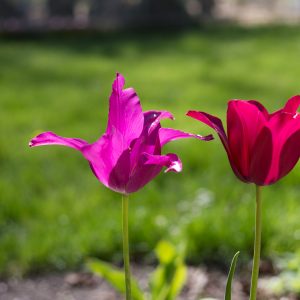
[[53, 211]]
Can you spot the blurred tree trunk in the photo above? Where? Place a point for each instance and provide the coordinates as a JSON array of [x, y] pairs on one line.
[[134, 13], [12, 9], [207, 9], [157, 13], [109, 14], [62, 8]]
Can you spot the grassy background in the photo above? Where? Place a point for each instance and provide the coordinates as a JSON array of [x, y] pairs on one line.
[[53, 211]]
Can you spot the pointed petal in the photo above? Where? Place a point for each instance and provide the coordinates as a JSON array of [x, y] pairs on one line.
[[167, 135], [217, 125], [109, 168], [292, 105], [170, 160], [50, 138], [125, 113], [288, 111], [213, 122]]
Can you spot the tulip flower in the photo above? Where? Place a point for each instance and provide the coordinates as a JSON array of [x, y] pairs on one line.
[[262, 148], [128, 155]]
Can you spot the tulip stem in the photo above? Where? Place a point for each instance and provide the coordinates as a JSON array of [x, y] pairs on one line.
[[257, 244], [126, 246]]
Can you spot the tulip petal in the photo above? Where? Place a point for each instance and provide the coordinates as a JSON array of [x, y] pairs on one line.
[[125, 113], [285, 125], [261, 158], [50, 138], [260, 107], [245, 120], [289, 155], [217, 125], [213, 122], [153, 118], [148, 140], [167, 135], [108, 165], [170, 160], [292, 105]]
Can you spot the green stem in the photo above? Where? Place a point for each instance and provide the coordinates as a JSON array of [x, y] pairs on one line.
[[257, 244], [126, 246]]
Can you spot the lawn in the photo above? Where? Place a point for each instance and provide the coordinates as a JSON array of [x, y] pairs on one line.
[[53, 211]]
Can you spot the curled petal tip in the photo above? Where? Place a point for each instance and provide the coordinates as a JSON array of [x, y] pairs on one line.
[[176, 166], [34, 141], [30, 144], [206, 138], [166, 115], [170, 160], [154, 117]]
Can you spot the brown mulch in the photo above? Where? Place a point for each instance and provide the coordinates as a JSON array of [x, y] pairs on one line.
[[82, 286]]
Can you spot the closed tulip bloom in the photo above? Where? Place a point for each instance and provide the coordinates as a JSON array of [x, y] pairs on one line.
[[262, 147], [128, 155]]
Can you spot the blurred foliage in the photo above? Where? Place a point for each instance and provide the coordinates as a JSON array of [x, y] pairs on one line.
[[53, 211], [170, 276], [115, 277], [166, 281], [288, 280], [29, 15]]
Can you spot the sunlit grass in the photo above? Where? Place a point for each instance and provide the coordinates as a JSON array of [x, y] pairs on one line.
[[53, 211]]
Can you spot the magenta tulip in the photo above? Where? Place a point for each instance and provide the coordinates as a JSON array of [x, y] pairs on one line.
[[261, 147], [128, 155]]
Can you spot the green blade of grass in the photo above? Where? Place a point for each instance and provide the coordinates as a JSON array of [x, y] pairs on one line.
[[230, 276]]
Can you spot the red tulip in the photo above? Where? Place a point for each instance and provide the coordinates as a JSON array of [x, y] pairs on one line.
[[261, 147]]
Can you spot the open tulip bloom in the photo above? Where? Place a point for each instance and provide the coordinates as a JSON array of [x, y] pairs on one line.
[[128, 155], [261, 148]]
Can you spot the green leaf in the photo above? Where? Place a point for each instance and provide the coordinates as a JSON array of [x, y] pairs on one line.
[[157, 284], [230, 276], [115, 277], [178, 281], [165, 252], [169, 277]]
